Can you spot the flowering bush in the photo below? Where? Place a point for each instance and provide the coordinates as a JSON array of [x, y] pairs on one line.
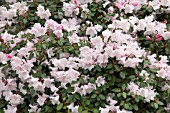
[[85, 56]]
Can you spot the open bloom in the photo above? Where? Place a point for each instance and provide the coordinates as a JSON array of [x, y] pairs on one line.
[[42, 13]]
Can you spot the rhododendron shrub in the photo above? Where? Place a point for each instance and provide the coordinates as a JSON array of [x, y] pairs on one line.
[[84, 56]]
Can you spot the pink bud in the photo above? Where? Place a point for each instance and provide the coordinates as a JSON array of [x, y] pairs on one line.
[[123, 3], [158, 37], [75, 1], [135, 4], [8, 56], [148, 37]]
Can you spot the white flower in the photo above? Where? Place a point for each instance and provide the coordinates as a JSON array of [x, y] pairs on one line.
[[53, 88], [11, 85], [74, 38], [48, 82], [23, 52], [39, 86], [42, 13], [71, 75], [70, 24], [106, 34], [87, 89], [141, 25], [68, 9], [100, 81], [37, 30], [110, 10], [10, 109], [55, 99], [22, 90], [165, 87], [97, 41], [3, 58], [11, 1], [50, 52], [58, 33], [21, 7], [148, 93], [74, 109], [123, 111], [104, 110], [33, 108], [15, 99], [23, 75], [6, 37], [91, 31], [61, 63], [124, 25], [165, 2], [133, 87], [9, 14], [53, 25], [98, 27], [166, 35], [129, 9], [42, 99], [102, 58], [66, 76]]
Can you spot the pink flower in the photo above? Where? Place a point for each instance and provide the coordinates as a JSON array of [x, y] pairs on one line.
[[8, 56], [158, 37], [148, 37]]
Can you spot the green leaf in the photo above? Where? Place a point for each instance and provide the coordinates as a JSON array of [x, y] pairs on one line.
[[124, 94], [102, 97], [126, 106], [77, 96], [70, 89], [80, 109], [59, 107], [71, 48], [97, 104], [98, 68], [85, 111], [154, 70], [135, 107], [94, 96], [47, 108], [96, 111], [156, 105], [87, 102], [136, 98], [119, 94], [116, 90], [61, 41], [44, 46], [25, 21], [122, 75], [117, 68], [109, 66], [160, 103], [55, 16]]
